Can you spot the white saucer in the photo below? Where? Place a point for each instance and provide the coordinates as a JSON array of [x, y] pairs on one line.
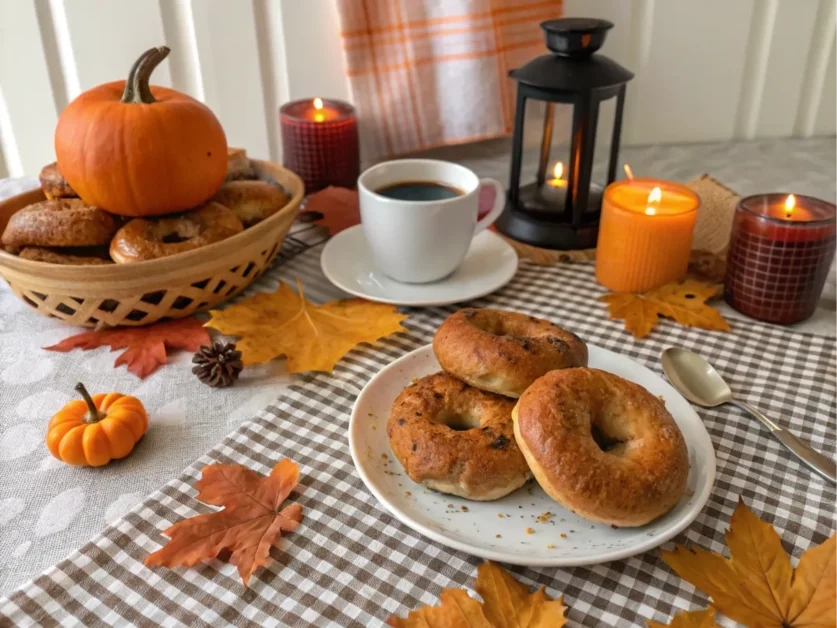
[[478, 528], [489, 265]]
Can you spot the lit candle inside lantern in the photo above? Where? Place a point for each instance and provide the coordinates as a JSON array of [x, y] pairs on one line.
[[645, 234], [554, 190], [780, 251]]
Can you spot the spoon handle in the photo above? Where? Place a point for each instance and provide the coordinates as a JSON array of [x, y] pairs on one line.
[[814, 460]]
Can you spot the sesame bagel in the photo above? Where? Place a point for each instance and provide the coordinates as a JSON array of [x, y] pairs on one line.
[[456, 439], [504, 352], [601, 446]]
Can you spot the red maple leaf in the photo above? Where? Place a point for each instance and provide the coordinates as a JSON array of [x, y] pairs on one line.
[[340, 208], [248, 526], [146, 346]]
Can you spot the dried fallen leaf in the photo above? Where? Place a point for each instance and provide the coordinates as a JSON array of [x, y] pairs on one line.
[[248, 526], [340, 208], [312, 337], [757, 586], [684, 301], [689, 619], [507, 603], [146, 346]]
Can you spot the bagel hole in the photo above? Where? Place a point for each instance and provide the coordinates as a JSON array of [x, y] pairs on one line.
[[458, 421], [606, 442], [173, 238]]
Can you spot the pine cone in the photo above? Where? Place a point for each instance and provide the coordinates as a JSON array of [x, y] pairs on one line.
[[217, 365]]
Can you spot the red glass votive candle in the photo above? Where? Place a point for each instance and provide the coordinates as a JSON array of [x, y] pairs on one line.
[[780, 251], [320, 142]]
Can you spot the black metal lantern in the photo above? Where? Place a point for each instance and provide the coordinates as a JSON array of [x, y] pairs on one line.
[[560, 213]]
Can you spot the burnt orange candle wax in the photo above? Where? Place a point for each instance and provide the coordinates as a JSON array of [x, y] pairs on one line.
[[645, 234]]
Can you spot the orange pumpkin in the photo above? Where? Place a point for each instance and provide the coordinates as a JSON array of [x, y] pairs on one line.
[[137, 150], [97, 430]]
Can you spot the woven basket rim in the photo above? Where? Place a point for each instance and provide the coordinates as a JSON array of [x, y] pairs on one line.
[[217, 253]]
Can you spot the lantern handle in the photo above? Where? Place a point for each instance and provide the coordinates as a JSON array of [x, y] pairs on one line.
[[499, 203]]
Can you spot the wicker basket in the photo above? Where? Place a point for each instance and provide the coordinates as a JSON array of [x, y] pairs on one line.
[[145, 292]]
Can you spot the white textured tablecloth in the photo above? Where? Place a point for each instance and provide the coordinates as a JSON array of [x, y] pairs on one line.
[[48, 509]]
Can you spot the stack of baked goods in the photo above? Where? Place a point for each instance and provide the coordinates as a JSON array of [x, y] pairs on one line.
[[64, 229], [517, 399], [142, 172]]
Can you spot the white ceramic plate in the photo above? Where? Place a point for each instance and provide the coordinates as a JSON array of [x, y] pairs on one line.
[[489, 265], [474, 527]]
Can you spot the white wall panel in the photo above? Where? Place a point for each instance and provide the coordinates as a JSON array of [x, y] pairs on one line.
[[229, 64], [26, 133], [107, 37], [826, 121], [705, 70], [788, 43]]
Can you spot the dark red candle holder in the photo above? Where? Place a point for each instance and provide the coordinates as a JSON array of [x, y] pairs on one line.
[[777, 263], [322, 151]]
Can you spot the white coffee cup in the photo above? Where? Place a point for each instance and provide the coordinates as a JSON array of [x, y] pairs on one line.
[[422, 241]]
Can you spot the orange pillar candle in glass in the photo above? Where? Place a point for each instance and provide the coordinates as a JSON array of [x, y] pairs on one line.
[[645, 234]]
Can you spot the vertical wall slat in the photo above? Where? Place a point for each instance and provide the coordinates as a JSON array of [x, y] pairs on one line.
[[107, 37], [787, 55], [826, 120], [270, 39], [689, 88], [816, 67], [26, 133], [229, 64], [179, 30], [760, 39]]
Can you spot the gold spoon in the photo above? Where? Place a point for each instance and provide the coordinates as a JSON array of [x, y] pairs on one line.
[[701, 384]]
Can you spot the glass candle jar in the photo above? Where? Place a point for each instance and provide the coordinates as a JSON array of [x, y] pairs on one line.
[[780, 251], [320, 142]]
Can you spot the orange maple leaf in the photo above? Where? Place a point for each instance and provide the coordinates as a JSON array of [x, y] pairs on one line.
[[340, 208], [312, 337], [507, 603], [689, 619], [756, 585], [684, 301], [146, 346], [248, 526]]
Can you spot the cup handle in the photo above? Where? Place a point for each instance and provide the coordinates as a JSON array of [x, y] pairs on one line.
[[499, 204]]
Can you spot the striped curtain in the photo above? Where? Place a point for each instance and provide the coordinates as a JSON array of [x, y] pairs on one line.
[[426, 73]]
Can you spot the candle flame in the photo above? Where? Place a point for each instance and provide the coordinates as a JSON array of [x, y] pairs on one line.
[[629, 172], [790, 203], [318, 103], [558, 170], [654, 197]]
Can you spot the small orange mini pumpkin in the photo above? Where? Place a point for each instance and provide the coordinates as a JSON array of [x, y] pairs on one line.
[[97, 430], [139, 150]]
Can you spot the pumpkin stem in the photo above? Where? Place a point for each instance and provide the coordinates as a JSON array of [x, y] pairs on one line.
[[94, 415], [137, 89]]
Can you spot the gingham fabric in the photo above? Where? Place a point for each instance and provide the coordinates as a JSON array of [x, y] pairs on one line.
[[426, 73], [352, 564]]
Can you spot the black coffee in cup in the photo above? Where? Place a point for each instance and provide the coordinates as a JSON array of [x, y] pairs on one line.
[[419, 191]]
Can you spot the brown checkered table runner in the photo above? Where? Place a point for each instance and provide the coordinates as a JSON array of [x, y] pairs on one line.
[[351, 564]]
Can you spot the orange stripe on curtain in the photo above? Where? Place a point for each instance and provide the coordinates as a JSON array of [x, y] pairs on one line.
[[425, 73]]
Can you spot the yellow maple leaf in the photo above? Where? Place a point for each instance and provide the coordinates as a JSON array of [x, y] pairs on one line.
[[684, 301], [689, 619], [757, 586], [507, 603], [312, 337]]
